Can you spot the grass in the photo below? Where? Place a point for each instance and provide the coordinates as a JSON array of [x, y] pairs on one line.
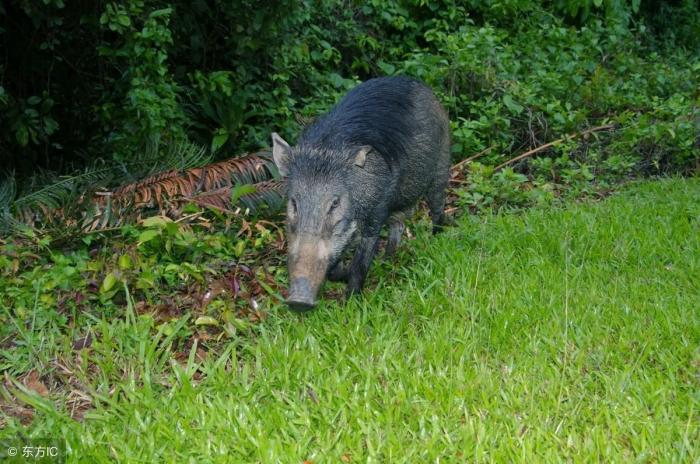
[[567, 334]]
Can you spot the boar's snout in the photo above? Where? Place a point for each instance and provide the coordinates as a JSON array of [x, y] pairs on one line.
[[308, 263], [301, 296]]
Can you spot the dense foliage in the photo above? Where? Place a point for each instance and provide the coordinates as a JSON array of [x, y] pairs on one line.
[[81, 81]]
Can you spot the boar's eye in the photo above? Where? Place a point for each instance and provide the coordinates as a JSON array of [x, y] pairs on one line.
[[334, 204], [293, 207]]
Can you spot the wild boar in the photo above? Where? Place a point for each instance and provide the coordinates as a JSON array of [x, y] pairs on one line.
[[365, 163]]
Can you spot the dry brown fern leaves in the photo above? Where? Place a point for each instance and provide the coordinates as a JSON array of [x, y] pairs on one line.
[[166, 193]]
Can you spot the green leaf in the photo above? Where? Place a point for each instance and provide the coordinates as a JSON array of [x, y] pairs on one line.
[[271, 291], [50, 125], [387, 68], [172, 267], [161, 12], [124, 262], [22, 136], [124, 20], [239, 248], [336, 79], [156, 221], [512, 106], [239, 190], [171, 228], [220, 138], [148, 235], [206, 320], [109, 282]]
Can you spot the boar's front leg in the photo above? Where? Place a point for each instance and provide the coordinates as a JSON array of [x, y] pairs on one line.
[[338, 273], [396, 229], [361, 261]]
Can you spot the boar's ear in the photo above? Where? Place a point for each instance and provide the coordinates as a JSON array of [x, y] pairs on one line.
[[361, 156], [280, 153]]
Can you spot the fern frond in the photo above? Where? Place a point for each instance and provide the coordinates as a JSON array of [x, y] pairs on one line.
[[8, 190], [219, 199], [166, 192], [181, 156], [269, 193], [155, 189], [55, 194], [83, 202], [56, 201]]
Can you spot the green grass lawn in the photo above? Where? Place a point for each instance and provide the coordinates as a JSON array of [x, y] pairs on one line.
[[553, 335]]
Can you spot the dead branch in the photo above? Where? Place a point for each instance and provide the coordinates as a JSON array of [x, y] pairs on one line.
[[473, 157], [553, 143]]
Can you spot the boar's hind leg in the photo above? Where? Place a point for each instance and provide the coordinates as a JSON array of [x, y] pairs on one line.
[[436, 205], [360, 264]]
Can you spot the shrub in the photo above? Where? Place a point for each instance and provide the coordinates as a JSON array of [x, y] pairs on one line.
[[115, 81]]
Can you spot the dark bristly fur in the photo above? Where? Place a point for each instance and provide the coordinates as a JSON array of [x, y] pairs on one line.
[[336, 194], [358, 120]]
